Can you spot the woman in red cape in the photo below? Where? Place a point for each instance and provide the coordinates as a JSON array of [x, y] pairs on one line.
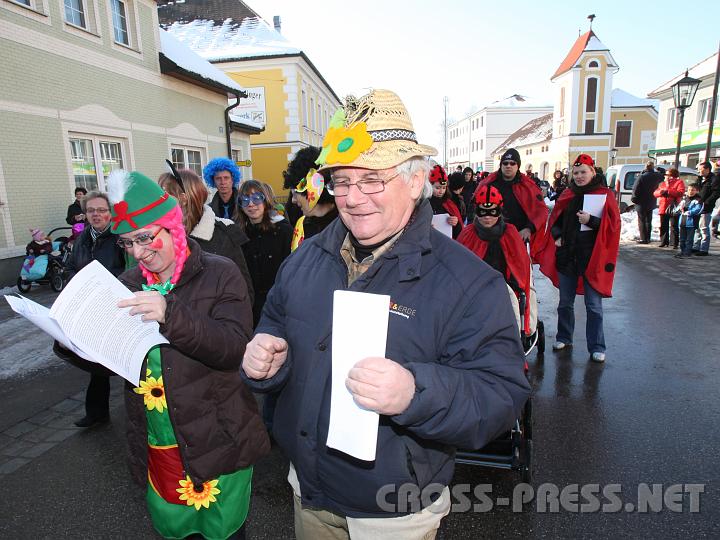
[[580, 252], [499, 244], [440, 200]]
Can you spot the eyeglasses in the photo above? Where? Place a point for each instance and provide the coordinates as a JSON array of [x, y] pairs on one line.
[[340, 186], [141, 240], [96, 210], [509, 163], [255, 198], [482, 212]]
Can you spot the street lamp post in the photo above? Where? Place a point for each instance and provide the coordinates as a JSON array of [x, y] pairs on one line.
[[613, 155], [683, 94]]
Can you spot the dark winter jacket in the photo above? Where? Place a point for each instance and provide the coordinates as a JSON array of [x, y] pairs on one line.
[[450, 323], [104, 249], [709, 192], [214, 415], [644, 188], [468, 193], [73, 210], [225, 210], [264, 253], [222, 237]]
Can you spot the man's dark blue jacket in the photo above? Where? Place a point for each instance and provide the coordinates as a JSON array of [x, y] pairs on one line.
[[451, 324]]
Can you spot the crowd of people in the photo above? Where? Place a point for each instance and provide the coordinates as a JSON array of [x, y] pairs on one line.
[[242, 288], [686, 211]]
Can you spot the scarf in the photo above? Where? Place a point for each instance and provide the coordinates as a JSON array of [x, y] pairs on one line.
[[494, 255]]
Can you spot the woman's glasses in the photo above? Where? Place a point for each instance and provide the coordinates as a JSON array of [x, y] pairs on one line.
[[144, 239], [255, 198]]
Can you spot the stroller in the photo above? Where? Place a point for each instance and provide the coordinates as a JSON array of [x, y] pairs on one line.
[[47, 267], [513, 449]]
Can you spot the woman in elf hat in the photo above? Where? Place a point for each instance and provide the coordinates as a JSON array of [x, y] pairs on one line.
[[309, 193], [194, 431], [500, 245], [440, 200], [580, 253]]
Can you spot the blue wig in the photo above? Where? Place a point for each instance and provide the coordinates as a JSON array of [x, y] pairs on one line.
[[221, 164]]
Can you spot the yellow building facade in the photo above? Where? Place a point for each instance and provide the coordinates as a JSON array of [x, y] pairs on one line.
[[589, 116]]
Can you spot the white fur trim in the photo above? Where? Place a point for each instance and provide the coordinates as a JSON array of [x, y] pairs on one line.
[[206, 226], [118, 183]]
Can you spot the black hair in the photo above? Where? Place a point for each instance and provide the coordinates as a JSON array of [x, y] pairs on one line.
[[80, 189], [298, 168], [468, 169]]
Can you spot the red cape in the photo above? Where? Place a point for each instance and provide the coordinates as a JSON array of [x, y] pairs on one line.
[[529, 195], [600, 271], [516, 258]]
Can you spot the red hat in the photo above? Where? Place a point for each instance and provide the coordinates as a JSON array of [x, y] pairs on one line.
[[438, 175], [584, 159], [487, 196]]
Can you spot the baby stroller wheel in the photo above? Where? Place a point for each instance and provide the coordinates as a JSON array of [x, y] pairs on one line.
[[57, 282], [23, 286]]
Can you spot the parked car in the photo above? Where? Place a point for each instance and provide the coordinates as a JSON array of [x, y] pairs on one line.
[[621, 179]]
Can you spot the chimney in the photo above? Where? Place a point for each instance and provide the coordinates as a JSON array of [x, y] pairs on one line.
[[276, 23]]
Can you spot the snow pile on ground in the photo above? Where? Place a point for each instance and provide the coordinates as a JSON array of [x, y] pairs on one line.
[[9, 290], [25, 348], [629, 231]]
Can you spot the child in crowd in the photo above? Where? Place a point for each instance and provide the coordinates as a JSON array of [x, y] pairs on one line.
[[441, 202], [40, 245], [688, 209]]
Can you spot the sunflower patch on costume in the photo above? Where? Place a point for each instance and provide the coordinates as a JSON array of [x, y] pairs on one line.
[[345, 144], [198, 496]]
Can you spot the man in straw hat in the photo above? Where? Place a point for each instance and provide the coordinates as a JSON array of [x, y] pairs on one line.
[[453, 375]]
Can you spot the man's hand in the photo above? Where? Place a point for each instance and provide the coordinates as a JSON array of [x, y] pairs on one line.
[[452, 220], [264, 356], [525, 234], [151, 304], [381, 385], [583, 217], [558, 241]]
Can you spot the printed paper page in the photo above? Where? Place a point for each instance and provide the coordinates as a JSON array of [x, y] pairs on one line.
[[439, 221], [39, 315], [360, 323], [593, 204], [87, 312]]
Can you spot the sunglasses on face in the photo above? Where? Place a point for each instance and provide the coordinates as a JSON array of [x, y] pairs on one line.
[[509, 163], [494, 212], [254, 198]]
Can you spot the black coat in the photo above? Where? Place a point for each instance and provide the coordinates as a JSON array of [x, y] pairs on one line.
[[709, 192], [219, 207], [73, 210], [645, 185], [104, 250], [264, 253], [224, 239]]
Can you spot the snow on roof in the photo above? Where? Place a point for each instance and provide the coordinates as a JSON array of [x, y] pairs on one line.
[[250, 38], [535, 131], [620, 98], [516, 100], [188, 60], [594, 44], [704, 68]]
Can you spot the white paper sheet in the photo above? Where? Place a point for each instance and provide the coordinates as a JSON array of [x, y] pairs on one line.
[[439, 221], [593, 205], [39, 315], [360, 323], [87, 313]]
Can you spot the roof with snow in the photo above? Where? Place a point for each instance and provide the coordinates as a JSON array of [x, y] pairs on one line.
[[516, 100], [535, 131], [179, 60], [621, 99], [586, 42], [702, 70]]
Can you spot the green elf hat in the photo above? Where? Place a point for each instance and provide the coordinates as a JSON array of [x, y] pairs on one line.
[[136, 201]]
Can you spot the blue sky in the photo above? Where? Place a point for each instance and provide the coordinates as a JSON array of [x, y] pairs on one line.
[[476, 52]]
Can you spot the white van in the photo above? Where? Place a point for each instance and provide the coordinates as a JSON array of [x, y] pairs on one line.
[[622, 178]]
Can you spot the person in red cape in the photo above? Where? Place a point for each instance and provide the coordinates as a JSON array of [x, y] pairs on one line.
[[523, 205], [580, 253], [499, 244], [440, 200]]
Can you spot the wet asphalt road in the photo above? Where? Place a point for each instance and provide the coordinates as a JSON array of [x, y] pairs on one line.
[[648, 416]]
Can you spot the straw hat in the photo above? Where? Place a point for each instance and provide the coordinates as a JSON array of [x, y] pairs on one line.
[[371, 132]]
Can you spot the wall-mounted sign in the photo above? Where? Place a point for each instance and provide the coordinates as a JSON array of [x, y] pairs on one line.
[[245, 163], [252, 108]]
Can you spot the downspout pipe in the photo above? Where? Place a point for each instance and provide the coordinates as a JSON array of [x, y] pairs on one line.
[[238, 95]]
